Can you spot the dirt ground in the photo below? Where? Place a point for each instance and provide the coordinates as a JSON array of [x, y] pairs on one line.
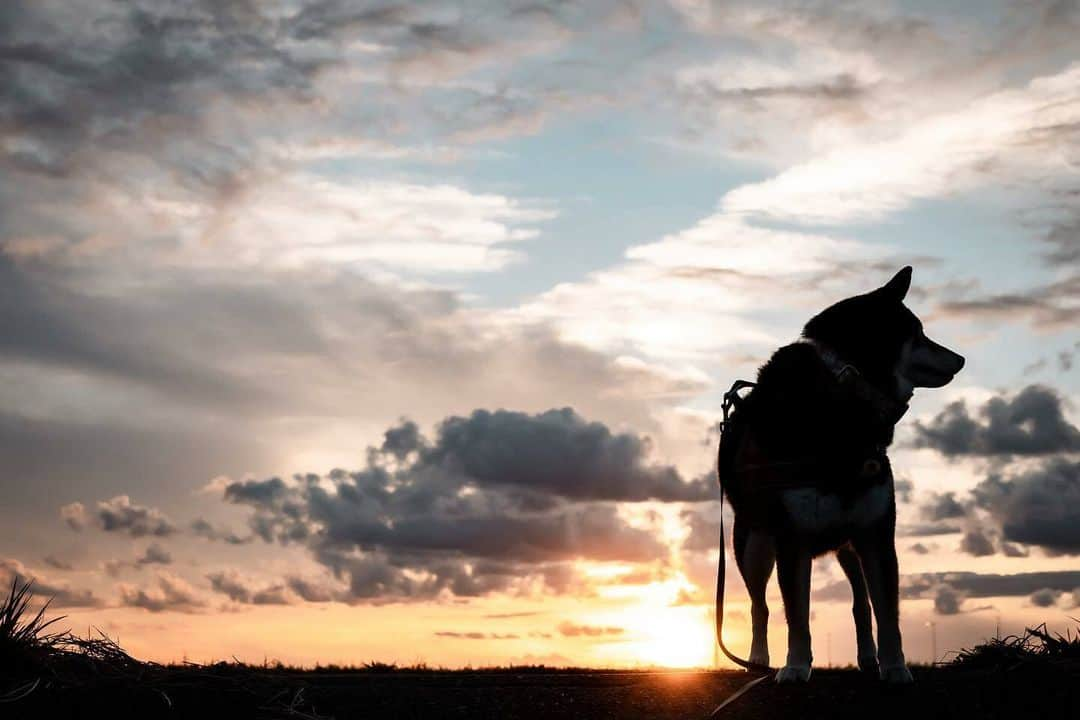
[[1023, 692]]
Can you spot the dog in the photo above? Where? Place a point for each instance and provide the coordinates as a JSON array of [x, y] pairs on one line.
[[804, 462]]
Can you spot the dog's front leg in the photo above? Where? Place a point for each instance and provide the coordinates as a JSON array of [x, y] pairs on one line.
[[878, 555], [793, 571]]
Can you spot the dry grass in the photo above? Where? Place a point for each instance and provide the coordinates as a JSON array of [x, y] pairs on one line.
[[1036, 645]]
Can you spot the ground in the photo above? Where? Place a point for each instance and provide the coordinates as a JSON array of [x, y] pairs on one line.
[[1028, 690]]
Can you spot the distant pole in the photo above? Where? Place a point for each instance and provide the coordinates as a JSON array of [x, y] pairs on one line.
[[828, 649], [933, 641], [997, 627]]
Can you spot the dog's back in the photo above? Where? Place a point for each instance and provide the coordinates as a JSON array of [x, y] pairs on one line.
[[796, 411]]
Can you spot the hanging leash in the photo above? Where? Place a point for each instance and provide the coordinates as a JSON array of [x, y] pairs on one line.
[[731, 401]]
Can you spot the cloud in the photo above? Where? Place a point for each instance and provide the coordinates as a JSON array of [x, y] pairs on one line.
[[965, 585], [310, 590], [975, 542], [571, 629], [74, 515], [1039, 506], [942, 506], [1046, 597], [495, 502], [62, 595], [1051, 306], [171, 594], [946, 600], [919, 549], [205, 529], [1032, 422], [656, 302], [938, 154], [476, 635], [121, 515], [985, 585], [241, 590], [154, 554]]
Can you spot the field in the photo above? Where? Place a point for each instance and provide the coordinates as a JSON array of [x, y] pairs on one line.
[[45, 674]]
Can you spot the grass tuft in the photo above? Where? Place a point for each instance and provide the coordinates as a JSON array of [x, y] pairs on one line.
[[1035, 645]]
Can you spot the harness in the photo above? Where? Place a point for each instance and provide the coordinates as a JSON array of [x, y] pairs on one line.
[[768, 478]]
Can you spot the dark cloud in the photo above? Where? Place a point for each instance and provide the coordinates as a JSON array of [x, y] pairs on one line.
[[496, 499], [1048, 307], [1046, 597], [169, 594], [966, 585], [571, 629], [309, 590], [1030, 423], [1010, 550], [558, 453], [121, 515], [154, 555], [241, 590], [976, 542], [401, 440], [1039, 506], [942, 506], [205, 529], [979, 585], [919, 549], [61, 595], [946, 600], [904, 489]]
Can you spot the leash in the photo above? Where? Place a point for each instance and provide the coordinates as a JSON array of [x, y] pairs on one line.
[[731, 400]]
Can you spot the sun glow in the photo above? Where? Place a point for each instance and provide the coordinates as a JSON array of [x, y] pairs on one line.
[[675, 637]]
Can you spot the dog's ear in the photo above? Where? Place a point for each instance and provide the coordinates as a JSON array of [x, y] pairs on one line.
[[897, 287]]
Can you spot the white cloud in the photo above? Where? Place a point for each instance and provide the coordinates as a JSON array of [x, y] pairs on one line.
[[938, 156], [689, 295]]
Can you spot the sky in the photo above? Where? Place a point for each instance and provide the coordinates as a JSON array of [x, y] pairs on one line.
[[336, 332]]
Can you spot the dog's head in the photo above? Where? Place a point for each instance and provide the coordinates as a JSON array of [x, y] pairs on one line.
[[881, 337]]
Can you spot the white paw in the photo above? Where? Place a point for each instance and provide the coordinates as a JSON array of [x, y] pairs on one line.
[[897, 675], [793, 674]]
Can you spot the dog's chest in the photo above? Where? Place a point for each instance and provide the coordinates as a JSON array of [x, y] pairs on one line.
[[813, 512]]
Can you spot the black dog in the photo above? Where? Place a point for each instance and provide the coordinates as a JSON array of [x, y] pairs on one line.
[[804, 462]]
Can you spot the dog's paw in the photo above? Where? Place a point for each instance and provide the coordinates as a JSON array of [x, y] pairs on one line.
[[896, 675], [793, 674], [868, 664]]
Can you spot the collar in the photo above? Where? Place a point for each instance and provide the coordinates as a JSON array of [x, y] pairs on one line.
[[888, 409]]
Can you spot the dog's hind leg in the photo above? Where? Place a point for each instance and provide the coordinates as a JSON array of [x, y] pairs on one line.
[[755, 555], [793, 568], [860, 609], [878, 556]]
